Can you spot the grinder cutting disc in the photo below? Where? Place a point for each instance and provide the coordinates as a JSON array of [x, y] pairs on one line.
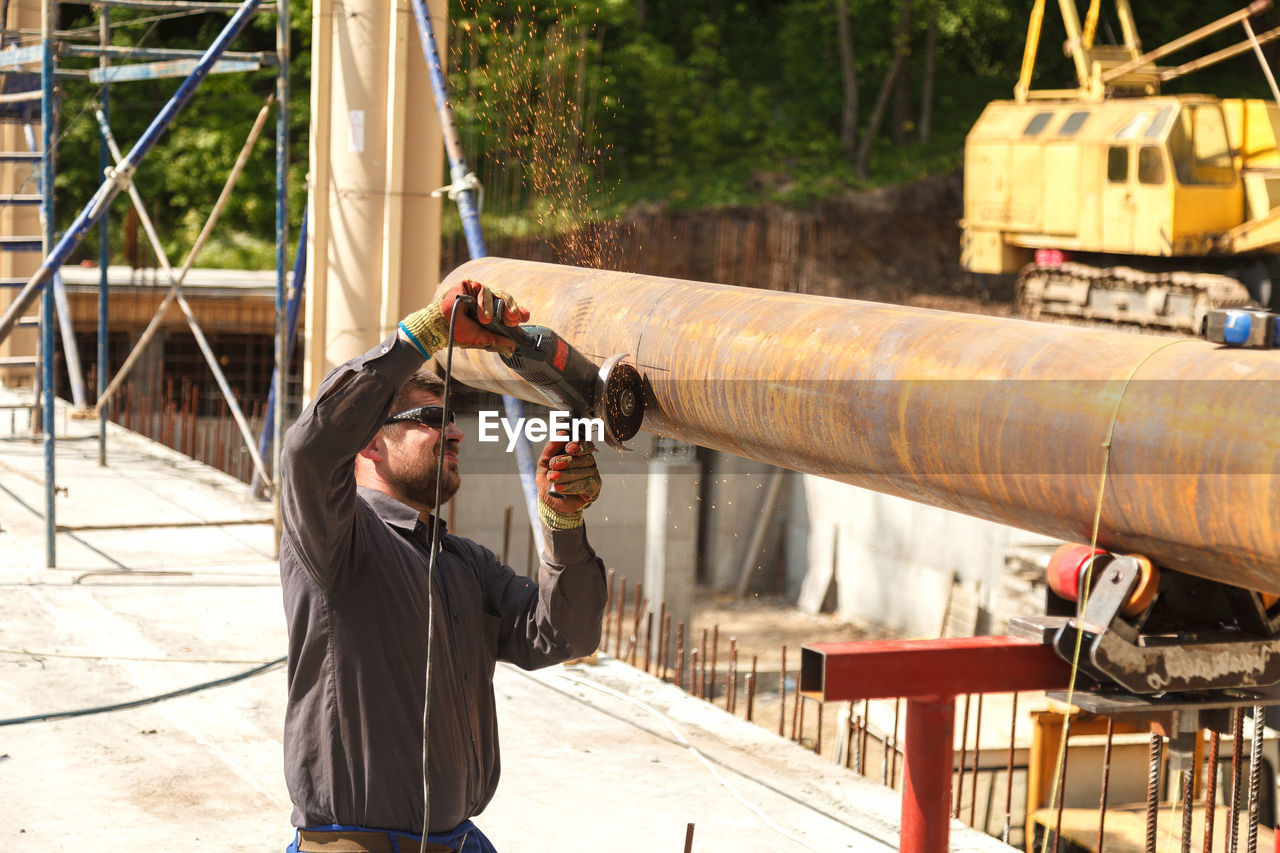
[[619, 400]]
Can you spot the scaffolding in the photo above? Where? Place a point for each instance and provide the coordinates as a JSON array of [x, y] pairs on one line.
[[32, 81]]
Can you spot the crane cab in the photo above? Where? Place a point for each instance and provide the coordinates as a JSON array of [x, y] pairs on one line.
[[1155, 177]]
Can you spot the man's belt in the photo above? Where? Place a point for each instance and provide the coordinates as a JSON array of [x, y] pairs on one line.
[[362, 841]]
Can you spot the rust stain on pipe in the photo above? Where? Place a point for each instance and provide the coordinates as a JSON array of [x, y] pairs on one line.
[[1000, 419]]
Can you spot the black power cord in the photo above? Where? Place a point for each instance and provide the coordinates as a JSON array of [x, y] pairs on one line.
[[150, 700], [461, 299]]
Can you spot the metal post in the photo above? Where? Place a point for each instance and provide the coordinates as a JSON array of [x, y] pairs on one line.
[[463, 192], [273, 423], [104, 245], [47, 310], [926, 792], [284, 331]]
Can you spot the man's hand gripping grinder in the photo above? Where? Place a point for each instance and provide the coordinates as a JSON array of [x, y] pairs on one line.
[[569, 381]]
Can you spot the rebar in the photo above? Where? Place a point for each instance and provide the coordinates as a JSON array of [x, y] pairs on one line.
[[608, 605], [1106, 781], [1233, 798], [977, 752], [1211, 790], [622, 603], [1008, 778], [1255, 777], [648, 641], [782, 692], [702, 674], [884, 760], [636, 610], [1153, 791], [664, 635], [695, 674], [964, 745], [715, 657], [1188, 792], [893, 758], [817, 741], [633, 644], [665, 641], [688, 839], [797, 715], [731, 682], [751, 689], [1062, 783], [680, 655], [866, 724], [854, 757]]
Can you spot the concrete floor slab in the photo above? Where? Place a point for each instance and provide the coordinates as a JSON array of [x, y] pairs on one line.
[[594, 756]]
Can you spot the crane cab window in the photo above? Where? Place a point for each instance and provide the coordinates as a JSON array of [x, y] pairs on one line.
[[1200, 148], [1131, 127], [1150, 165], [1037, 124], [1159, 123], [1073, 123], [1118, 164]]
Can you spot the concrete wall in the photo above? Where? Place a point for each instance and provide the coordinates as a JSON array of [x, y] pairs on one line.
[[615, 523], [894, 561], [825, 545]]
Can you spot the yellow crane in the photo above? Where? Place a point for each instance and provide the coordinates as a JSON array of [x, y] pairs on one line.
[[1113, 201]]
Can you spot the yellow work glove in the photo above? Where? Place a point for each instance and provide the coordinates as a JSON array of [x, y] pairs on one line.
[[569, 467], [428, 329]]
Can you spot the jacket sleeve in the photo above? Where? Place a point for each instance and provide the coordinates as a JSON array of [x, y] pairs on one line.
[[557, 618], [317, 466]]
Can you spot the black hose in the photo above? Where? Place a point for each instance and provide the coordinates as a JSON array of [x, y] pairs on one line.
[[150, 700]]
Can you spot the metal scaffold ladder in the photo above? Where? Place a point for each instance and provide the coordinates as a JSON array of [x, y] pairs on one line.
[[32, 251]]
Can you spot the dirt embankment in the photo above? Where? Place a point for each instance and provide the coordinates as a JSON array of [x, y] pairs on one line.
[[892, 244]]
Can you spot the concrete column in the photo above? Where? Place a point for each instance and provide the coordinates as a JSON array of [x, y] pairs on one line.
[[671, 530], [376, 155]]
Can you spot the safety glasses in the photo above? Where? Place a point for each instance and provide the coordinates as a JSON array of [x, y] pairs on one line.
[[430, 416]]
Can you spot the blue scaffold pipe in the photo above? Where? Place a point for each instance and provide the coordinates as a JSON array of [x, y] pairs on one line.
[[47, 320], [464, 194], [120, 176], [267, 438]]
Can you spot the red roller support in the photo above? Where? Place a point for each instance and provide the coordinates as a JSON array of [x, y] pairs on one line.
[[930, 674], [1066, 566], [926, 776]]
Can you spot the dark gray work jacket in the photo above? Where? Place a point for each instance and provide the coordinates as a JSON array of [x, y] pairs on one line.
[[353, 564]]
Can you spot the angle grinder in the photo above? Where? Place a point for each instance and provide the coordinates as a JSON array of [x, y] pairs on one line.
[[569, 381]]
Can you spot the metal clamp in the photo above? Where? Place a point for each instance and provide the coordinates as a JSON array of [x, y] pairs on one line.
[[469, 182]]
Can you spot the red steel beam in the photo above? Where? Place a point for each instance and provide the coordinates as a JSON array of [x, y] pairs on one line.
[[930, 674], [887, 669]]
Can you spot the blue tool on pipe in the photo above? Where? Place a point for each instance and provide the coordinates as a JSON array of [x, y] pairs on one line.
[[119, 178], [463, 191]]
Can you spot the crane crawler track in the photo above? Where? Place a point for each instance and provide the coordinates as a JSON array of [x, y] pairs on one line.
[[1177, 300]]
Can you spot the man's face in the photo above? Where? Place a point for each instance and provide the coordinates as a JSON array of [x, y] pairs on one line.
[[413, 452]]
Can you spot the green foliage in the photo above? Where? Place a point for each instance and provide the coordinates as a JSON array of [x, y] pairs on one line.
[[571, 112], [184, 173]]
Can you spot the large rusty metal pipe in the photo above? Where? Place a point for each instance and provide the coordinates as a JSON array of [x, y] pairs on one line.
[[1001, 419]]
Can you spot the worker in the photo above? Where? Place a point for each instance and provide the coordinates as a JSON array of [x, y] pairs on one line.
[[359, 488]]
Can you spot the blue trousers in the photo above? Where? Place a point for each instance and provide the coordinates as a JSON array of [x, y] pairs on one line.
[[465, 838]]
